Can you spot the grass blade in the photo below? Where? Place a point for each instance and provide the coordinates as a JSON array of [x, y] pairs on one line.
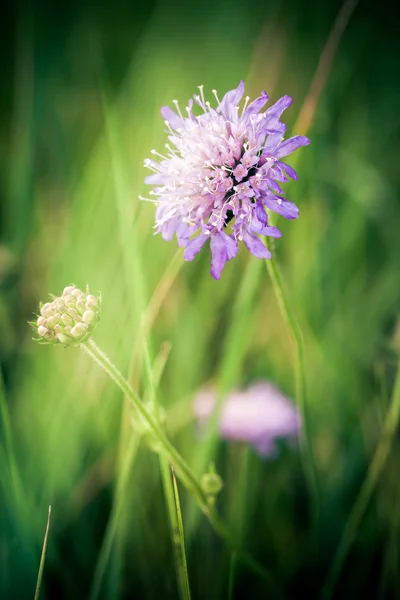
[[43, 556]]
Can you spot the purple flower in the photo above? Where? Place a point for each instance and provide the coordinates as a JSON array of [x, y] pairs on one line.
[[258, 415], [221, 171]]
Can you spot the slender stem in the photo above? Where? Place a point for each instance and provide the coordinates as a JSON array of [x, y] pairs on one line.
[[182, 468], [178, 538], [172, 455], [375, 469], [170, 493], [301, 397], [43, 556]]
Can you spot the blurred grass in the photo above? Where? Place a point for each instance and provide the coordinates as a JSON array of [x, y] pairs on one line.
[[80, 115]]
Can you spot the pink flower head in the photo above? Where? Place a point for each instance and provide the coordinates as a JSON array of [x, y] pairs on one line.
[[258, 415], [221, 171]]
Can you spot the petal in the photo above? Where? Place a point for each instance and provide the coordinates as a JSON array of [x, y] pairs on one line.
[[194, 246], [256, 105], [156, 178], [281, 206], [223, 248], [259, 223], [219, 255], [288, 170], [273, 114], [231, 98], [290, 145], [255, 245], [261, 214], [183, 233], [272, 142], [230, 245], [173, 119], [274, 186], [168, 228]]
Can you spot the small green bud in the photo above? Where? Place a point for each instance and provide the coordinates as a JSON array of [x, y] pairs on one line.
[[61, 321], [211, 484]]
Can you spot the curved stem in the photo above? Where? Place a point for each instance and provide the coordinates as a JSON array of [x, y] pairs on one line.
[[180, 465]]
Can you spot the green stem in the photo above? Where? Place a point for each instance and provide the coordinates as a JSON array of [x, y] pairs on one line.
[[43, 557], [172, 455], [294, 332], [376, 466], [178, 538], [170, 493], [182, 468]]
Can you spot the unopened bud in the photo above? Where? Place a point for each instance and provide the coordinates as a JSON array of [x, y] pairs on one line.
[[211, 484], [88, 316], [79, 330], [69, 319]]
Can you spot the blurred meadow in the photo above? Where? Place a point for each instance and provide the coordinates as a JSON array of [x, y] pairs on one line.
[[81, 89]]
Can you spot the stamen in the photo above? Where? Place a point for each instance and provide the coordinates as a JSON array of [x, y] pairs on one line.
[[245, 104], [177, 108], [216, 96], [202, 93]]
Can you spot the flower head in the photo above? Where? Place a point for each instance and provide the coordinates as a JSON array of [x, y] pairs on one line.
[[69, 319], [258, 415], [221, 171]]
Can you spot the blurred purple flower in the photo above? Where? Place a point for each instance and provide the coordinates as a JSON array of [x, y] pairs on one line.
[[222, 168], [258, 415]]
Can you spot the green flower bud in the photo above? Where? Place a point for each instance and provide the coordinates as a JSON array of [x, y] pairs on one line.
[[61, 321], [211, 484]]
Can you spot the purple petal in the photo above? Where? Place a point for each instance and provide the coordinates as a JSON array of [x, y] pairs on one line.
[[223, 248], [255, 246], [271, 143], [168, 228], [290, 145], [288, 170], [219, 256], [261, 214], [232, 98], [273, 114], [256, 105], [230, 245], [194, 246], [173, 119], [156, 178], [183, 233], [281, 206], [259, 224], [274, 186]]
